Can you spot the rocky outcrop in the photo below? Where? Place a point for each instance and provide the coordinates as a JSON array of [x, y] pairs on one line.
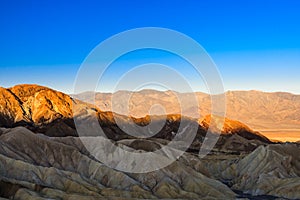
[[269, 170], [39, 166], [10, 109], [272, 170], [33, 105]]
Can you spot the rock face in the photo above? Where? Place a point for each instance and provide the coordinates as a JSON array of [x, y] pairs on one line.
[[33, 104], [269, 170], [10, 108], [33, 165]]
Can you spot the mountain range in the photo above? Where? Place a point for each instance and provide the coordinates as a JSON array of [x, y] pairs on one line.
[[43, 157], [276, 115], [50, 112]]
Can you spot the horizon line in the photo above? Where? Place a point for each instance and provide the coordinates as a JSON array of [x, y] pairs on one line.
[[157, 90]]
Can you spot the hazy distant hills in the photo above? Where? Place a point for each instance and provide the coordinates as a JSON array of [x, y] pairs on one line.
[[259, 110], [265, 110]]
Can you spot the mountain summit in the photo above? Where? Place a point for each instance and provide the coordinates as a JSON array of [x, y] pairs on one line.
[[33, 104]]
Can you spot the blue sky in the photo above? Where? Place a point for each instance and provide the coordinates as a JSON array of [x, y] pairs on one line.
[[255, 44]]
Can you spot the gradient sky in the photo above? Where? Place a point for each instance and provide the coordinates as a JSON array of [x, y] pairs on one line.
[[254, 43]]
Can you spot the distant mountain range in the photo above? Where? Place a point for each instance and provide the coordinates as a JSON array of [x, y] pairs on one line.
[[259, 110], [274, 114]]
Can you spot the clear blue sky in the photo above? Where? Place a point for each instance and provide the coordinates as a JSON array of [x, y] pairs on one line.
[[255, 43]]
